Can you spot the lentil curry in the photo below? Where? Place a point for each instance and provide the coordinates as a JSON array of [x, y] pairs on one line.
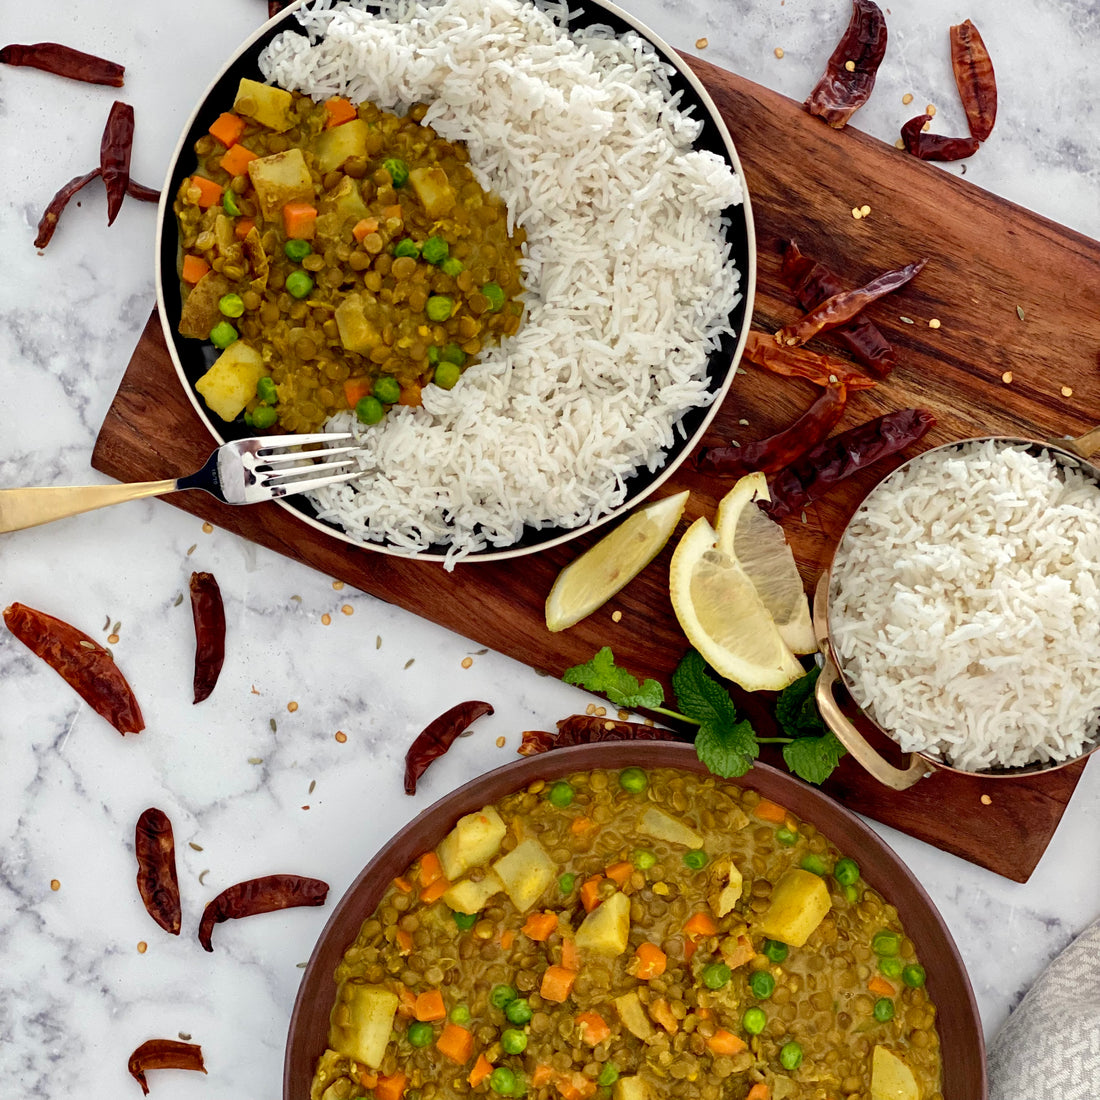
[[340, 257], [632, 935]]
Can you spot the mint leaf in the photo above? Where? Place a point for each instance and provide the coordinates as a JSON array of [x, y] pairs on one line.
[[603, 675], [796, 709], [814, 758], [726, 746]]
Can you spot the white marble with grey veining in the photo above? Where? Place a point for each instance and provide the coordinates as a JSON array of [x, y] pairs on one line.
[[75, 995]]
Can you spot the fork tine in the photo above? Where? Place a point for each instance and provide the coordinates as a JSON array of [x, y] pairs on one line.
[[281, 477], [269, 441], [305, 486], [294, 456]]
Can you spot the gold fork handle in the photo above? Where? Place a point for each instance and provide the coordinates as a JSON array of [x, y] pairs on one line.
[[20, 508]]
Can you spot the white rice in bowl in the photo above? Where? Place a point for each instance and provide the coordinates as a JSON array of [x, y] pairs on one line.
[[630, 282], [965, 607]]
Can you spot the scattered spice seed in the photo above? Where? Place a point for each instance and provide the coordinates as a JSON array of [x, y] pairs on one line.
[[467, 662], [116, 628], [254, 691], [292, 706], [926, 127], [378, 641], [341, 737], [255, 759], [623, 715], [1067, 391], [865, 211], [1020, 312], [501, 742], [55, 885], [202, 876], [326, 619], [857, 213], [301, 966], [347, 609], [590, 709], [601, 712], [778, 51], [192, 549], [480, 652], [899, 144], [296, 599], [142, 947], [934, 323], [616, 616], [107, 624], [907, 98], [930, 110], [850, 66], [609, 725], [312, 786], [337, 586], [274, 727], [185, 1036], [906, 320], [1006, 377], [409, 663], [196, 847], [178, 600], [701, 43], [305, 807], [207, 528], [986, 800], [112, 639]]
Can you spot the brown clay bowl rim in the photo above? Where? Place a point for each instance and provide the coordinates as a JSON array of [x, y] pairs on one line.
[[958, 1022], [1064, 458]]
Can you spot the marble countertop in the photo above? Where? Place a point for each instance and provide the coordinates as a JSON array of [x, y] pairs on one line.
[[255, 780]]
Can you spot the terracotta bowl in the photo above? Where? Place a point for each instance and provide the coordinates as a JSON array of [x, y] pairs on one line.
[[949, 987]]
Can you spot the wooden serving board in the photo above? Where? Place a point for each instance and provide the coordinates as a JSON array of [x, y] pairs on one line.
[[1012, 292]]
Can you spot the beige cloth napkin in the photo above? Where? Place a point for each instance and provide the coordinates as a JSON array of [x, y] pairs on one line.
[[1049, 1049]]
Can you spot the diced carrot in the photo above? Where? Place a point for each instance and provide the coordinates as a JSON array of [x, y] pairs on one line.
[[363, 227], [430, 1006], [210, 193], [590, 893], [482, 1069], [592, 1027], [651, 961], [390, 1088], [881, 986], [661, 1012], [227, 128], [300, 220], [393, 212], [339, 111], [367, 1077], [691, 945], [411, 395], [701, 924], [581, 825], [543, 1075], [704, 1013], [456, 1043], [539, 926], [760, 1091], [619, 872], [404, 941], [767, 810], [406, 1003], [430, 867], [355, 389], [403, 885], [194, 268], [236, 160], [507, 938], [725, 1042], [557, 984], [570, 957], [574, 1086], [744, 952], [435, 891], [243, 227]]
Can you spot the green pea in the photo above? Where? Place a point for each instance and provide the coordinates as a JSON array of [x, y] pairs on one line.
[[452, 266], [434, 355], [298, 284], [716, 975], [387, 389], [439, 307], [560, 794], [407, 247], [229, 203], [913, 975], [465, 921], [775, 950], [518, 1012], [297, 250], [633, 780], [446, 375], [566, 882], [502, 1080], [500, 996], [420, 1034], [754, 1021], [513, 1041], [814, 864], [460, 1014], [266, 391], [846, 871], [790, 1055], [851, 893], [884, 1010], [452, 353], [398, 170], [230, 305], [644, 859], [520, 1087], [222, 334], [762, 985], [885, 943], [264, 416], [891, 966], [495, 295], [696, 859], [368, 410], [608, 1075], [786, 836], [435, 250]]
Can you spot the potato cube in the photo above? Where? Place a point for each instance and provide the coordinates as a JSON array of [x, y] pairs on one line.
[[265, 104], [200, 311], [633, 1016], [630, 1088], [525, 872], [280, 178], [468, 896], [434, 190], [474, 840], [230, 383], [799, 901], [606, 930], [345, 201], [891, 1078], [356, 332], [730, 892], [361, 1022], [333, 147], [661, 826]]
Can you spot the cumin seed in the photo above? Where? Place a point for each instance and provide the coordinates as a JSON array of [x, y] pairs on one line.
[[196, 847]]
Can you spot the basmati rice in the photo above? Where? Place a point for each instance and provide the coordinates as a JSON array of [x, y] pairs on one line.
[[630, 281], [965, 606]]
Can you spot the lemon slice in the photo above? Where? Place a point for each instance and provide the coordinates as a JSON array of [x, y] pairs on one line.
[[592, 579], [758, 545], [724, 618]]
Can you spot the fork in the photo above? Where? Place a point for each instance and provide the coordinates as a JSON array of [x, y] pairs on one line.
[[244, 471]]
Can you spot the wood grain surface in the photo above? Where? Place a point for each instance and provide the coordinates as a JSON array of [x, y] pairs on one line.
[[1012, 292]]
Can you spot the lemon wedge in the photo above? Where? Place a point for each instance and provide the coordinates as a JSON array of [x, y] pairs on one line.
[[720, 611], [758, 545], [603, 569]]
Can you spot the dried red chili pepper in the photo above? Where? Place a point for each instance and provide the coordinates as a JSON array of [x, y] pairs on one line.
[[208, 611], [81, 662], [260, 895], [974, 77], [438, 736], [57, 206], [588, 729], [812, 282], [783, 448], [795, 362], [164, 1054], [60, 60], [142, 193], [842, 307], [158, 884], [115, 148], [274, 7], [841, 91], [819, 470], [926, 146]]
